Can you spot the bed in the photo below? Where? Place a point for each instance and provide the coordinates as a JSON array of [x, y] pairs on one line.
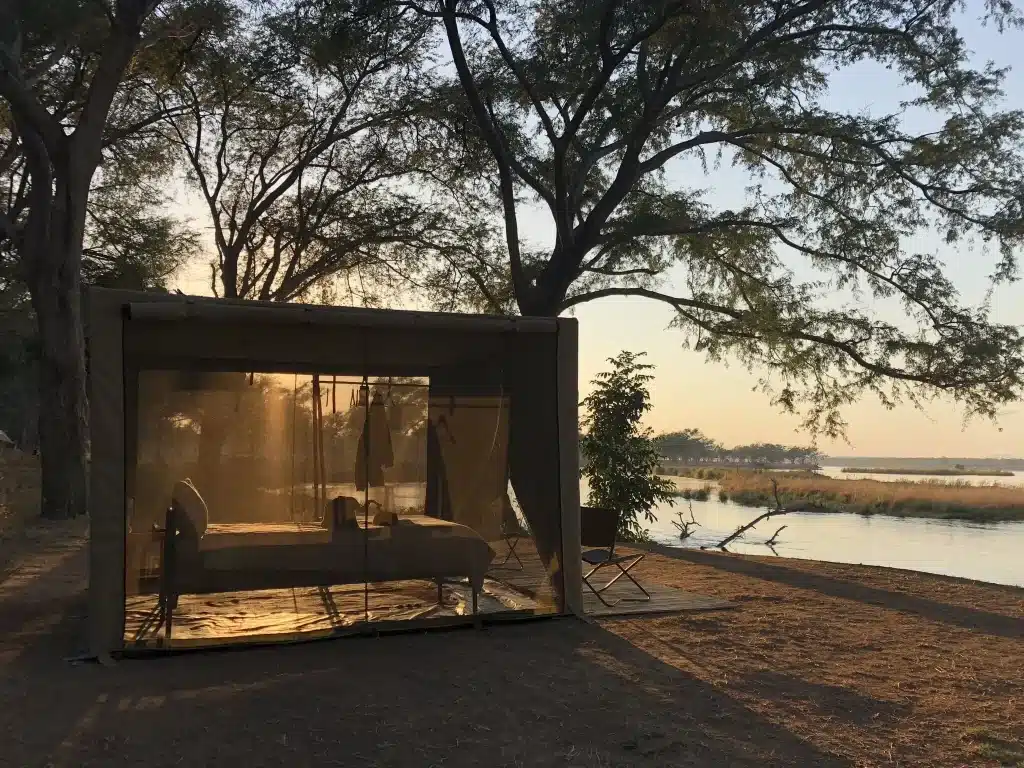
[[201, 557]]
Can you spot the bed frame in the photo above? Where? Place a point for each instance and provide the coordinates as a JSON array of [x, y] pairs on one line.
[[183, 570]]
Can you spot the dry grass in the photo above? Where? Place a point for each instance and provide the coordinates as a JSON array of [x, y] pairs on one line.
[[874, 666], [813, 492], [822, 665]]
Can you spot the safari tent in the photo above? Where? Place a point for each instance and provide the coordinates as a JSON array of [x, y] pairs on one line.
[[266, 472]]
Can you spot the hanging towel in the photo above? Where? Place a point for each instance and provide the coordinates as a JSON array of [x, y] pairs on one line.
[[380, 451], [439, 500]]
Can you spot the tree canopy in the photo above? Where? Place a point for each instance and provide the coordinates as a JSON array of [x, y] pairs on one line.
[[588, 109], [298, 128], [694, 447]]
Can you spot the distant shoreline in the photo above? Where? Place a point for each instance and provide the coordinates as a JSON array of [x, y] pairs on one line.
[[814, 492], [923, 462], [913, 471]]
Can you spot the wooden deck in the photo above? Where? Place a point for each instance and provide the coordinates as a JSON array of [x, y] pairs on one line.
[[527, 575], [513, 585]]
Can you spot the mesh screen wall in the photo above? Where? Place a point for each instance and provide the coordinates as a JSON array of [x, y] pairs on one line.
[[332, 478]]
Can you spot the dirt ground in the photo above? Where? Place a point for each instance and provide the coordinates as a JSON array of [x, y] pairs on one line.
[[818, 665]]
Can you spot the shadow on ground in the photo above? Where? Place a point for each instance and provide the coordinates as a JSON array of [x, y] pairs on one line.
[[552, 693], [955, 615], [831, 701]]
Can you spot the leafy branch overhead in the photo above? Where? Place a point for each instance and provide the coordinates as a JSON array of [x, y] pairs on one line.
[[606, 115], [299, 128]]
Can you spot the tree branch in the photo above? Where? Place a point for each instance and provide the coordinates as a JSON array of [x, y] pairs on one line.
[[524, 82], [741, 329], [494, 143], [125, 30], [27, 109], [766, 516]]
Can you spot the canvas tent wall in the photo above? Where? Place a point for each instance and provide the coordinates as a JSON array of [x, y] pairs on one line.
[[528, 363]]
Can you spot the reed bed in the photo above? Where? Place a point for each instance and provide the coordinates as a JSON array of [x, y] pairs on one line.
[[944, 472], [928, 498]]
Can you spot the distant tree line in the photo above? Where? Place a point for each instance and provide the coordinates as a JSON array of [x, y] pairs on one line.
[[691, 446]]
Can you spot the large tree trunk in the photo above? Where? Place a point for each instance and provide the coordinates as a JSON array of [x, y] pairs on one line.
[[53, 269], [60, 166], [544, 297], [541, 306]]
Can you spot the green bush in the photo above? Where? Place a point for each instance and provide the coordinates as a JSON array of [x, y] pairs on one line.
[[619, 456]]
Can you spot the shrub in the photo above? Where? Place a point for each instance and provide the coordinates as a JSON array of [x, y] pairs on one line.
[[619, 455]]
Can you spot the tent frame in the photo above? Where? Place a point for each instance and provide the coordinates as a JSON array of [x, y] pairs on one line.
[[109, 313]]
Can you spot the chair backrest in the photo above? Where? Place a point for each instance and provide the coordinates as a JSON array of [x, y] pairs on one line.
[[194, 515], [598, 527]]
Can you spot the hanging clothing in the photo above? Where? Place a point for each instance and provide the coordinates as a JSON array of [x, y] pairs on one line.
[[439, 500], [381, 455]]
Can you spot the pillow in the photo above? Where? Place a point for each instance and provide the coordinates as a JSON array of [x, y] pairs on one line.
[[341, 513], [197, 516]]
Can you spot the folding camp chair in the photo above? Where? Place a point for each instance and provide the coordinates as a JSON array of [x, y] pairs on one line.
[[511, 535], [598, 528]]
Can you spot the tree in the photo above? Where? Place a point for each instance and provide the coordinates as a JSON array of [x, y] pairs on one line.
[[126, 247], [74, 76], [581, 106], [690, 445], [803, 455], [129, 243], [296, 127], [620, 459]]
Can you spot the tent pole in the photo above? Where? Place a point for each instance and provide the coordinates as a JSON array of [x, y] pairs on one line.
[[295, 427], [365, 391]]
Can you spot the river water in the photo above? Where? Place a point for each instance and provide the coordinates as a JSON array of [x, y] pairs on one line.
[[991, 552], [1017, 479]]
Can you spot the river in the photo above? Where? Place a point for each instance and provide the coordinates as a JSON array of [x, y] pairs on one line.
[[991, 552], [1017, 479]]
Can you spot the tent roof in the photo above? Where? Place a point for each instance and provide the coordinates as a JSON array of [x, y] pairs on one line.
[[171, 307]]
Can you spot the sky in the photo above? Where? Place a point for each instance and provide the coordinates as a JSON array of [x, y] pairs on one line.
[[720, 399]]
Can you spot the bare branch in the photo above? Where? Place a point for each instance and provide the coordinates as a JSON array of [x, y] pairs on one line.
[[775, 536], [778, 510], [494, 143]]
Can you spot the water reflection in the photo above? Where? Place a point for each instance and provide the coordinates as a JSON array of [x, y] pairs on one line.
[[987, 552]]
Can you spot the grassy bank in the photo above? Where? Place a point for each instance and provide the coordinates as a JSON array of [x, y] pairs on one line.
[[939, 472], [695, 494], [816, 493], [697, 473]]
